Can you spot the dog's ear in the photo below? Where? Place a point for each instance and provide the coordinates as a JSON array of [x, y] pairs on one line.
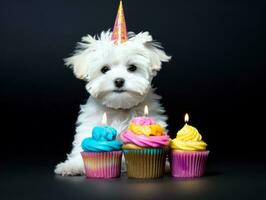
[[155, 50], [78, 61]]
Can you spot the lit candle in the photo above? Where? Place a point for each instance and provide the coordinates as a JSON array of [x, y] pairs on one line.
[[104, 119], [146, 111], [186, 118]]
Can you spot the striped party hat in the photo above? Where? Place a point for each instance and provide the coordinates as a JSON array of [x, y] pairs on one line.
[[119, 34]]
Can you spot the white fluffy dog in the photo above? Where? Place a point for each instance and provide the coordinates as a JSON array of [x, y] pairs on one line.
[[119, 82]]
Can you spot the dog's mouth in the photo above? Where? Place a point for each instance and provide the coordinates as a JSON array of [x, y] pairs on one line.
[[119, 91]]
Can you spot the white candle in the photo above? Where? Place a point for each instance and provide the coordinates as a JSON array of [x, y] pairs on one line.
[[104, 119]]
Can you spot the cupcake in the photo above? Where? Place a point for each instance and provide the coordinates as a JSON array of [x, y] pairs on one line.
[[188, 153], [145, 148], [102, 153]]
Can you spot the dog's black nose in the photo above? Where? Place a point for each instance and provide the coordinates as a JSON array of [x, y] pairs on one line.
[[119, 82]]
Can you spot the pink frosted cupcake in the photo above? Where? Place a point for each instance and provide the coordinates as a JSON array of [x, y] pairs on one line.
[[102, 153], [145, 148], [189, 154]]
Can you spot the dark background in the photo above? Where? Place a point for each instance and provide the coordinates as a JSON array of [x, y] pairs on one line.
[[217, 71], [217, 75]]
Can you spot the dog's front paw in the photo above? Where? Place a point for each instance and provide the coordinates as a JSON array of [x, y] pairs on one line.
[[68, 169]]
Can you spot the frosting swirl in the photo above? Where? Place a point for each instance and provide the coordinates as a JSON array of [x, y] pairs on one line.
[[143, 121], [103, 139], [143, 132], [147, 130], [188, 139], [144, 141]]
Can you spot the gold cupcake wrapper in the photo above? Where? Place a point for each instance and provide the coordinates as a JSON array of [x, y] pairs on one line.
[[145, 163]]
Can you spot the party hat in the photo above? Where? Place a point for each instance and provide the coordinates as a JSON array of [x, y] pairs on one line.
[[119, 34]]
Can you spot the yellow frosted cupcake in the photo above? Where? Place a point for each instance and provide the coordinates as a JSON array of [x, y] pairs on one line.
[[189, 154]]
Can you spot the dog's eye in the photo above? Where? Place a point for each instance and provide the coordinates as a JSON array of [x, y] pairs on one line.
[[132, 68], [105, 69]]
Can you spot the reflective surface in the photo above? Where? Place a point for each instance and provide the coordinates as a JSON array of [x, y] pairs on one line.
[[35, 180]]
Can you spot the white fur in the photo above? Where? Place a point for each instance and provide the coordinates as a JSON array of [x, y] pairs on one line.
[[91, 55]]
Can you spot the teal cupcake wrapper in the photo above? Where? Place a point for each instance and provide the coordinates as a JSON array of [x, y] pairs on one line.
[[148, 151]]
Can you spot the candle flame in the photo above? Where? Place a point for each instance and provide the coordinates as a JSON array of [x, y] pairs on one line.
[[186, 118], [146, 110], [104, 119]]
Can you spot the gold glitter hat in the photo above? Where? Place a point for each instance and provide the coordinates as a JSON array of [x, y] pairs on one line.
[[119, 34]]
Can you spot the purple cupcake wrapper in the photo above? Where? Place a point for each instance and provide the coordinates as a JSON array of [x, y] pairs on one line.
[[188, 164], [102, 164]]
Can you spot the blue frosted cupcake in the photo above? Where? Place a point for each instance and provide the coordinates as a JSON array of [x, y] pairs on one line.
[[102, 153]]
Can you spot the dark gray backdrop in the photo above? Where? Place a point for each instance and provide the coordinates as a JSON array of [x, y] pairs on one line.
[[217, 71]]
